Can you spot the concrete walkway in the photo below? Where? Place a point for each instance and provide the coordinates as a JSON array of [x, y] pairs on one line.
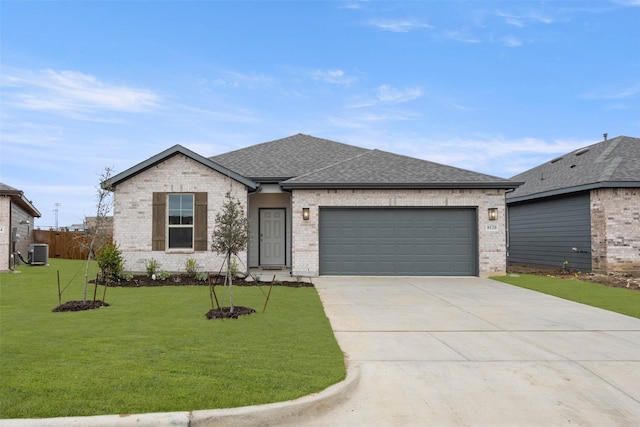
[[475, 352], [450, 352]]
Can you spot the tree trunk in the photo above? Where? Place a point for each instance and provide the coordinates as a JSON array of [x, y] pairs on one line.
[[86, 270], [230, 282]]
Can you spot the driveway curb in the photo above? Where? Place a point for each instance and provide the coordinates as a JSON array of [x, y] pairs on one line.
[[257, 415], [304, 408]]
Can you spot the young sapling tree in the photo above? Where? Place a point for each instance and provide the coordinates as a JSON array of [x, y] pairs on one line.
[[230, 236], [96, 234]]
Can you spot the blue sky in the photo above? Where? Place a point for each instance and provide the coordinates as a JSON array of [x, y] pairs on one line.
[[494, 87]]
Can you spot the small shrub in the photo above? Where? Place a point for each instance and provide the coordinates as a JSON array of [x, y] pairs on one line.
[[191, 265], [110, 262], [127, 276], [152, 266], [233, 269], [163, 275], [202, 276]]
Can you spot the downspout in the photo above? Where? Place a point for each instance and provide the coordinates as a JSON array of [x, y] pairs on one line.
[[11, 250], [506, 229]]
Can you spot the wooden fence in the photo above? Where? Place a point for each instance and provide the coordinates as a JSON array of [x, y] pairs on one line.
[[64, 244]]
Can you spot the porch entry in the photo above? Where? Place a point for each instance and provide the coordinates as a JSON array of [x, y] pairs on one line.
[[272, 236]]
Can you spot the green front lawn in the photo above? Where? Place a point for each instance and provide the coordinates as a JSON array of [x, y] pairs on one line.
[[620, 300], [153, 350]]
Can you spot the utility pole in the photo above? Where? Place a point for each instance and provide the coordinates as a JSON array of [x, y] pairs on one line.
[[57, 205]]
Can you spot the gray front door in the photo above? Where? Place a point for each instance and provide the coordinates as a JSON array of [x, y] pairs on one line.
[[272, 236]]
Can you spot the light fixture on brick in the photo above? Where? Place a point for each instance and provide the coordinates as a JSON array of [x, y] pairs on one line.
[[493, 214], [305, 214]]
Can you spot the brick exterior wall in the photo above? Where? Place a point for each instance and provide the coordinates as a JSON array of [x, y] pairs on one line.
[[133, 212], [615, 229], [305, 243]]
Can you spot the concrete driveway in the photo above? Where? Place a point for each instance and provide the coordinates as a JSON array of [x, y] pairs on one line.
[[470, 352]]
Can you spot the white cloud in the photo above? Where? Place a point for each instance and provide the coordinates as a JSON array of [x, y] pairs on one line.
[[615, 93], [237, 116], [389, 95], [72, 92], [386, 95], [32, 135], [460, 37], [493, 155], [520, 20], [332, 77], [354, 4], [365, 119], [631, 3], [511, 41], [457, 106], [398, 26], [237, 80]]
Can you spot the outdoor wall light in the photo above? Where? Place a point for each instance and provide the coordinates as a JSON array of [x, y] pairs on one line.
[[305, 214], [493, 214]]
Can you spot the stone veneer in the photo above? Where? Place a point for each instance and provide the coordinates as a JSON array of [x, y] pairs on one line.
[[133, 212], [615, 229], [492, 243]]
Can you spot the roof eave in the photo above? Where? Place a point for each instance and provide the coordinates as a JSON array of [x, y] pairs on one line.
[[18, 197], [401, 185], [113, 182], [574, 189]]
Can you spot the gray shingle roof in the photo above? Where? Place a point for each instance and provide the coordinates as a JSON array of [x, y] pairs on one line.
[[284, 158], [380, 169], [611, 163], [304, 161]]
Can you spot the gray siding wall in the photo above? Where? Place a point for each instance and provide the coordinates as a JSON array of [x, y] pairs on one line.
[[545, 232]]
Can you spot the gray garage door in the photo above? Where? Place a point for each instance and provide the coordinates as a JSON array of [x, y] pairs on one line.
[[398, 241]]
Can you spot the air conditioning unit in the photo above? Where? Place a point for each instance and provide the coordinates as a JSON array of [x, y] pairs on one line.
[[38, 254]]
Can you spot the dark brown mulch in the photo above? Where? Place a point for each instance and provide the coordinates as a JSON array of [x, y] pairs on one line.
[[79, 306], [184, 280], [225, 312], [613, 280]]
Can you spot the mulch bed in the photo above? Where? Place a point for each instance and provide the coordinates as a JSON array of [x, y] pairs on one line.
[[140, 281], [184, 280], [79, 306], [225, 312], [613, 280]]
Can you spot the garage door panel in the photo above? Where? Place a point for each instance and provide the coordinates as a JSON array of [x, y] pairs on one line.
[[398, 241]]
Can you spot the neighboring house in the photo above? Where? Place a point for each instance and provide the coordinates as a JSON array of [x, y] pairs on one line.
[[106, 225], [17, 215], [315, 207], [582, 208]]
